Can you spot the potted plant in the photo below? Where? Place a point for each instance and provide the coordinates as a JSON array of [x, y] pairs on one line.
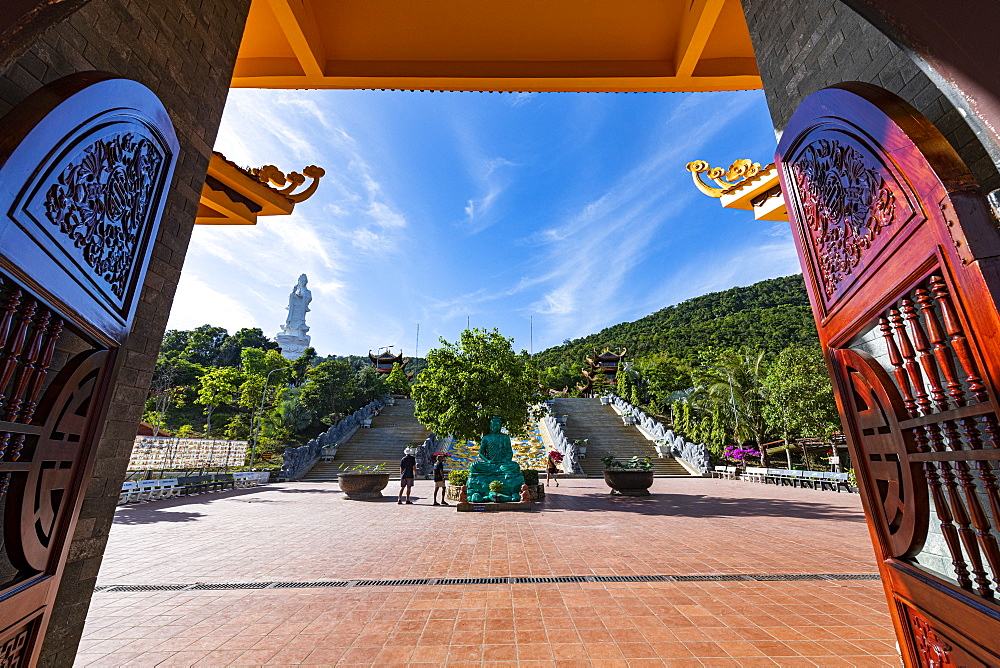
[[496, 489], [581, 446], [364, 482], [628, 418], [629, 478], [662, 447], [456, 479], [562, 419], [606, 399]]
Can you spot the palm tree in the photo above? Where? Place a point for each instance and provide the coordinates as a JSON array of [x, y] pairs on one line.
[[738, 383]]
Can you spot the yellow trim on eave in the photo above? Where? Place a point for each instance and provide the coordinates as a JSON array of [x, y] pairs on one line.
[[583, 84], [272, 203]]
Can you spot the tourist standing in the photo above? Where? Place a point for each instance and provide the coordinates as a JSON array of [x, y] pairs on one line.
[[439, 480], [551, 469], [406, 466]]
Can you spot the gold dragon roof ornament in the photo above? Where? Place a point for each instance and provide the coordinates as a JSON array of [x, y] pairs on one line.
[[744, 185], [738, 172], [234, 195]]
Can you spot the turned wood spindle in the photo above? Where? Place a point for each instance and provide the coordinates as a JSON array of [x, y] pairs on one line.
[[896, 360], [27, 367], [910, 362], [9, 361], [41, 370], [941, 351], [925, 355], [959, 343]]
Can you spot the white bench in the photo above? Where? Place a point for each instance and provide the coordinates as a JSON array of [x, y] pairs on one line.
[[169, 488], [250, 478], [727, 472], [243, 479], [129, 488], [754, 474]]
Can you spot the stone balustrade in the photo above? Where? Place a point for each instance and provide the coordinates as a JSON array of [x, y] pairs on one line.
[[694, 454], [570, 453], [297, 461]]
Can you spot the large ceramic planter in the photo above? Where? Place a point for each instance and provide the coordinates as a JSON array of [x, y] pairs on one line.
[[605, 401], [629, 482], [628, 420], [363, 485]]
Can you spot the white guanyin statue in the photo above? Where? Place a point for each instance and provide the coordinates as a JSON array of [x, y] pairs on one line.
[[294, 337]]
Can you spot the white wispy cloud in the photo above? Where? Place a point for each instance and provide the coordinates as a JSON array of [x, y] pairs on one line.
[[585, 263], [328, 236]]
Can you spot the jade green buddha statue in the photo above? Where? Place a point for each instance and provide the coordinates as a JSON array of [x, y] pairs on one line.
[[496, 462]]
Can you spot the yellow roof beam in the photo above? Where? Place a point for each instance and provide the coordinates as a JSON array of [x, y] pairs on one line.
[[486, 45], [695, 29], [298, 23]]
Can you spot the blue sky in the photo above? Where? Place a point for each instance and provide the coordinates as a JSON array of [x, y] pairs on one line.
[[571, 209]]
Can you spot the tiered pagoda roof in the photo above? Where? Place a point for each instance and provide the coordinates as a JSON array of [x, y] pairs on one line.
[[605, 363], [384, 361]]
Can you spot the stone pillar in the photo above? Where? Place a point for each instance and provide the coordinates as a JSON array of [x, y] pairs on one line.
[[806, 45], [184, 51]]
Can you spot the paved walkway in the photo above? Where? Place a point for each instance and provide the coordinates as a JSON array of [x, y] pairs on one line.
[[305, 532]]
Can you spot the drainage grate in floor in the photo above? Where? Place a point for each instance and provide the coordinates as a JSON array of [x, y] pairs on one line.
[[556, 579], [545, 580], [233, 585], [302, 585], [120, 588], [472, 581], [389, 583], [633, 578]]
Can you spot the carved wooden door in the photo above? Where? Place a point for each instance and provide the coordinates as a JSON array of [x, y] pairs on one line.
[[84, 168], [902, 264]]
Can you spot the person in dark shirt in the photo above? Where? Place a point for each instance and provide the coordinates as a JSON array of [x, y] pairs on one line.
[[439, 480], [406, 466]]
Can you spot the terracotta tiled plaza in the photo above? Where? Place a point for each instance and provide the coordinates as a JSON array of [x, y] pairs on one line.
[[307, 532]]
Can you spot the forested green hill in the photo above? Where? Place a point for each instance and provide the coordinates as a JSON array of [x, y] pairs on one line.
[[769, 315]]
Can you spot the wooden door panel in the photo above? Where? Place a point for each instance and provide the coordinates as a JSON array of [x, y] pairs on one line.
[[85, 166], [899, 256]]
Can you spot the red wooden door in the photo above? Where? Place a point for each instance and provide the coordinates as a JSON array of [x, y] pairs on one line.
[[84, 168], [902, 264]]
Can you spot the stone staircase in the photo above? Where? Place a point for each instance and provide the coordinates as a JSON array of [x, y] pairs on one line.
[[608, 436], [383, 442]]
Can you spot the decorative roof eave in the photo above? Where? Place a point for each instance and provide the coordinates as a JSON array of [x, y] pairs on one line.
[[233, 195], [745, 185]]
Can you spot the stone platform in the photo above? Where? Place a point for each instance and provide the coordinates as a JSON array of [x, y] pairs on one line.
[[286, 575], [516, 506]]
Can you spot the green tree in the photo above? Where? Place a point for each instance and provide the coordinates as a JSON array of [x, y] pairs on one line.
[[799, 395], [663, 375], [218, 387], [468, 382], [324, 390], [398, 381], [204, 344], [736, 378], [257, 366], [302, 364], [247, 337], [289, 418], [368, 385]]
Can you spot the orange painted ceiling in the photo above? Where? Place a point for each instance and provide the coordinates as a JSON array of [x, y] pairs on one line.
[[498, 45]]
